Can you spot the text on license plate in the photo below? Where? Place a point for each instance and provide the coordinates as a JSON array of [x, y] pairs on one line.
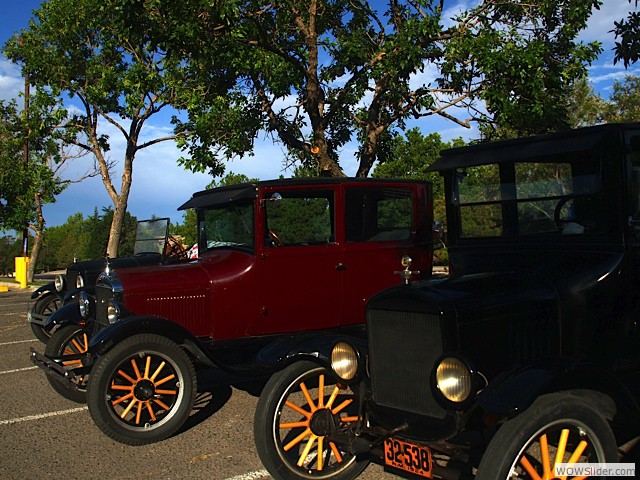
[[409, 457]]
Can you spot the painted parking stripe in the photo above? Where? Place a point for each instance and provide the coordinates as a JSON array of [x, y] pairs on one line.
[[42, 415], [16, 370], [17, 342], [251, 475]]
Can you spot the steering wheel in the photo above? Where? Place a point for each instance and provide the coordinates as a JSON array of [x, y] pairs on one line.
[[277, 241], [558, 211]]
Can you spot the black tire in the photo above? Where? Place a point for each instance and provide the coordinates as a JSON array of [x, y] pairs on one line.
[[521, 440], [282, 430], [45, 306], [142, 390], [68, 340]]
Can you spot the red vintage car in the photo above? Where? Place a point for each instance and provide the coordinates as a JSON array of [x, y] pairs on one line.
[[276, 258]]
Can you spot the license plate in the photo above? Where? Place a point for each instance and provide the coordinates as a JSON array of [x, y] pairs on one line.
[[412, 458]]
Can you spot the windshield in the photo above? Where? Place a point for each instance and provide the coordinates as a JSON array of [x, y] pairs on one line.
[[230, 225], [558, 195], [151, 236]]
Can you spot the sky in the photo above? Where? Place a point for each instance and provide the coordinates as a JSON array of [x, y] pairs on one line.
[[160, 185]]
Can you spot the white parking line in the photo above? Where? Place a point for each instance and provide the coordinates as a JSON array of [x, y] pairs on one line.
[[16, 370], [251, 475], [17, 342], [42, 415]]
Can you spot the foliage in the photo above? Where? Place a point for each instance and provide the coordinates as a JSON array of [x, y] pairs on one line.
[[624, 105], [316, 74], [627, 48], [23, 182], [10, 248], [411, 156]]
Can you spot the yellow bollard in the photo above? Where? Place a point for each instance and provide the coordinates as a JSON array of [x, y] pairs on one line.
[[22, 265]]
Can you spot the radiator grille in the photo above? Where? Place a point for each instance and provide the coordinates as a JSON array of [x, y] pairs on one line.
[[403, 347]]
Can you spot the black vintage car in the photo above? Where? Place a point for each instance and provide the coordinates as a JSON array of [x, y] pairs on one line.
[[525, 359], [152, 245]]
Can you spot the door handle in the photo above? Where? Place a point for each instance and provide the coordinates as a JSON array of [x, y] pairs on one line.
[[341, 266]]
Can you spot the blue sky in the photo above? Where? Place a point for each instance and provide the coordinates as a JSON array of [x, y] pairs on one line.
[[160, 185]]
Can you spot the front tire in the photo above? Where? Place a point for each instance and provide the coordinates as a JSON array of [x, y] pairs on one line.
[[44, 307], [556, 428], [142, 390], [295, 406], [68, 340]]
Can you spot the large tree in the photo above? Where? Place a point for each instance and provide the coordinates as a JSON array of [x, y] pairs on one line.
[[116, 80], [317, 74]]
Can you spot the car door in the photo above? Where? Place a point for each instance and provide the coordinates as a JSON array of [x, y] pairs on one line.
[[300, 270], [383, 223]]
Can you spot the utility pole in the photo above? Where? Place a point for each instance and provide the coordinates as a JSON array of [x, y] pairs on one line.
[[25, 151]]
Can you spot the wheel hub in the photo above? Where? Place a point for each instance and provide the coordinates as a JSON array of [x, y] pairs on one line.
[[323, 422], [144, 390]]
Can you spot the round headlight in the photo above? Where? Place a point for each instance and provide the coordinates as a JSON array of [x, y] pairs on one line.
[[79, 281], [113, 311], [84, 304], [344, 361], [454, 379], [59, 283]]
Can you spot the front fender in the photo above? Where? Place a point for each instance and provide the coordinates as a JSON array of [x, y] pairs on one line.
[[65, 315], [314, 347], [108, 336], [47, 288], [512, 392]]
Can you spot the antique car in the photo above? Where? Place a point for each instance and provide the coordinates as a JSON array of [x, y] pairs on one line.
[[276, 258], [524, 360], [152, 246]]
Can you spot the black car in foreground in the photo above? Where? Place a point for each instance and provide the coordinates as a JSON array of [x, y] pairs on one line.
[[524, 360]]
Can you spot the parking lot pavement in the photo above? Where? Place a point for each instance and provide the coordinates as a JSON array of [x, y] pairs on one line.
[[44, 436]]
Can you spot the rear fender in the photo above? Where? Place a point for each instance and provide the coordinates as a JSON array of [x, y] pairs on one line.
[[109, 336]]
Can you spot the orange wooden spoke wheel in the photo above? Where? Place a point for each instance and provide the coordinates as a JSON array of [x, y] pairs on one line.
[[66, 344], [142, 390], [299, 409]]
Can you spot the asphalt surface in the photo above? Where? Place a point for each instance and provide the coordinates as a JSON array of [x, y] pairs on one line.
[[44, 436]]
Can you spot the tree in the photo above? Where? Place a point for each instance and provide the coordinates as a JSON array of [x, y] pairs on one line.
[[627, 49], [317, 74], [30, 161], [81, 48], [411, 156], [624, 104]]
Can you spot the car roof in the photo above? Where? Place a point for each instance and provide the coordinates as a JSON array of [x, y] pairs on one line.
[[576, 140], [232, 193]]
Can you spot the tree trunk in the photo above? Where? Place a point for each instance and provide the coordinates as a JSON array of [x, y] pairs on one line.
[[38, 229], [120, 209]]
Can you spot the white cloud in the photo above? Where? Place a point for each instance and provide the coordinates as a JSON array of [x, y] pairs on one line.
[[11, 81]]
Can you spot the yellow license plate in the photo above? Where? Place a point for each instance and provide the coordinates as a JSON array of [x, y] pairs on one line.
[[412, 458]]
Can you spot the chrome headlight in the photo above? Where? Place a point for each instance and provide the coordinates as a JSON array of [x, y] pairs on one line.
[[84, 305], [454, 379], [344, 361], [59, 283], [113, 311], [79, 281]]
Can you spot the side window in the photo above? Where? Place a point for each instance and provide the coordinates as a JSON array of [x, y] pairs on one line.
[[299, 218], [378, 214]]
